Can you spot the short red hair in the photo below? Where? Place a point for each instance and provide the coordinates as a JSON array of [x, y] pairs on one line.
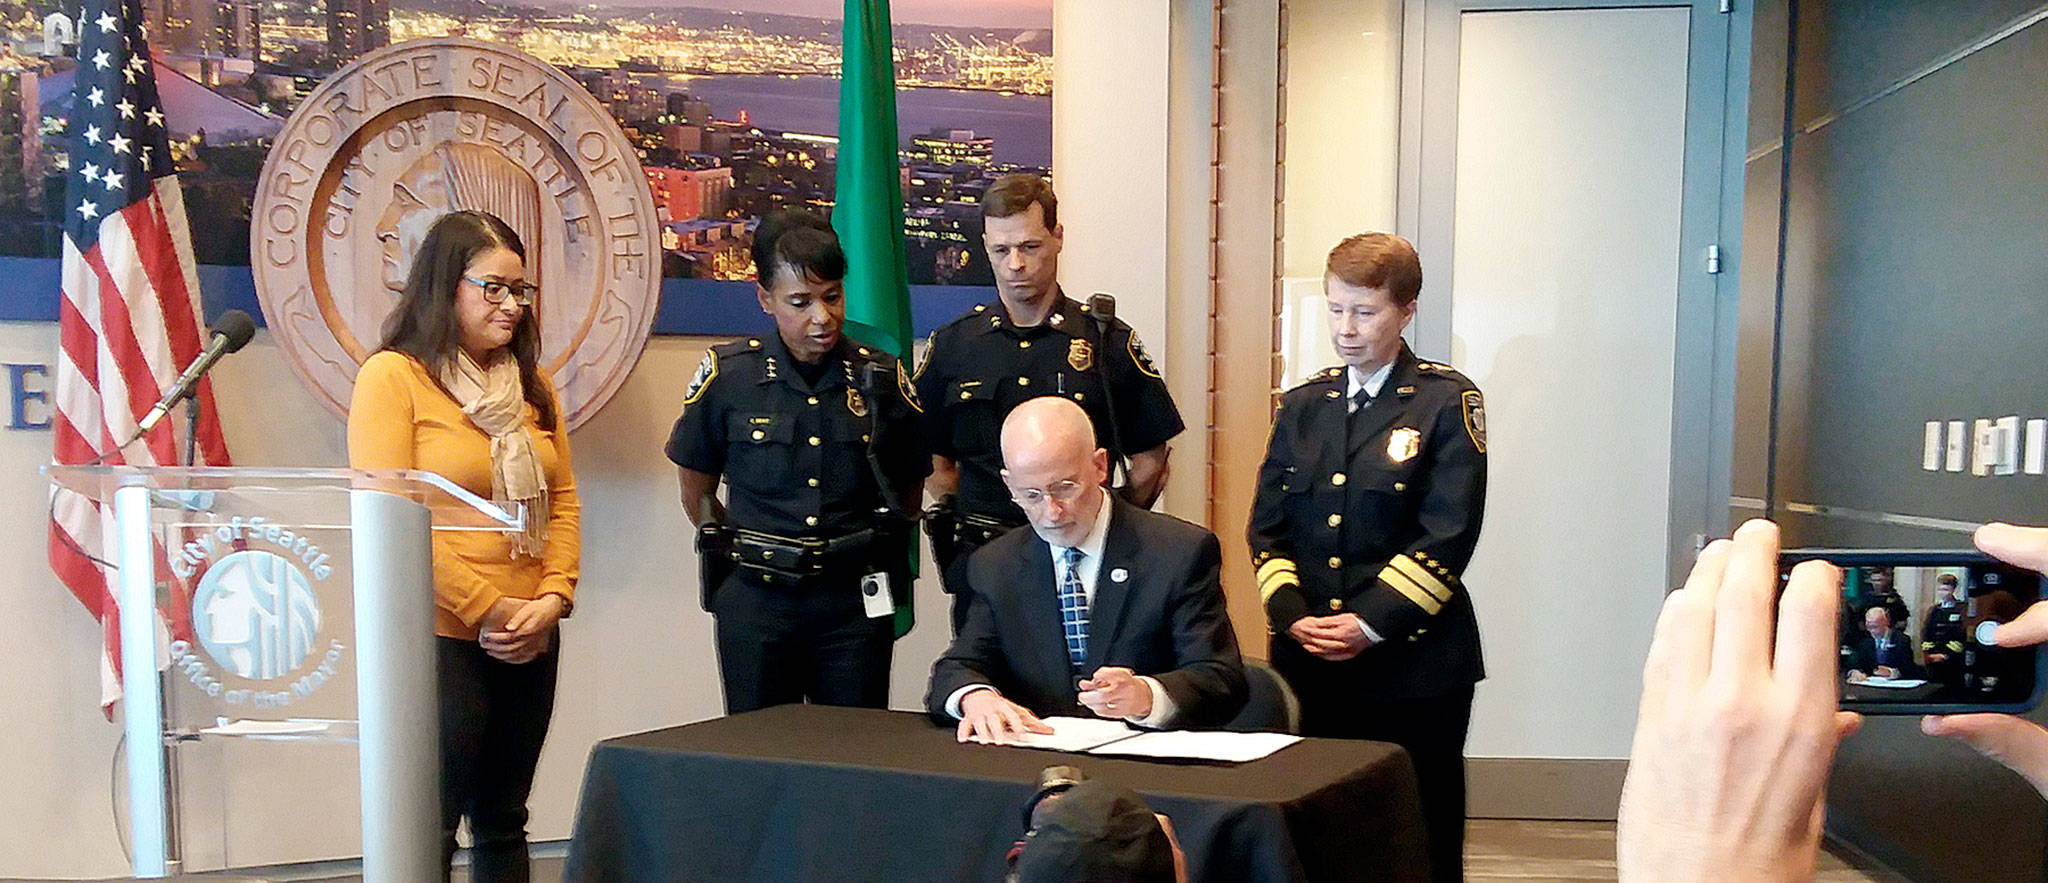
[[1380, 261]]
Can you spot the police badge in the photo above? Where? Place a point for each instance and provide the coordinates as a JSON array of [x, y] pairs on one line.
[[1080, 354], [1403, 444], [855, 403]]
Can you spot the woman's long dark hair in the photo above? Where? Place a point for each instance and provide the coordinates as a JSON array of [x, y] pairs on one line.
[[424, 327]]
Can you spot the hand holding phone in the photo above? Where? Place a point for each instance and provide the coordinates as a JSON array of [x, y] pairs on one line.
[[2019, 744], [1737, 723], [1915, 629]]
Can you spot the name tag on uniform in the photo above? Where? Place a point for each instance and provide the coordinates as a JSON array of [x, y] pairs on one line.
[[874, 596]]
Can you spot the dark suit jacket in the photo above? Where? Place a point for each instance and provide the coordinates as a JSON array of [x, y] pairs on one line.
[[1899, 654], [1165, 619]]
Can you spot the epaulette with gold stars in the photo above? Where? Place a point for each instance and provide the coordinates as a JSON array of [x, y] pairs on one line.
[[1439, 369], [1326, 375]]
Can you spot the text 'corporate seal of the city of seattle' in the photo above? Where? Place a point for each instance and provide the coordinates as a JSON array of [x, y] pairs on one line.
[[411, 132]]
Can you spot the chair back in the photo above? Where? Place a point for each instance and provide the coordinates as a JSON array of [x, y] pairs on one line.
[[1269, 706]]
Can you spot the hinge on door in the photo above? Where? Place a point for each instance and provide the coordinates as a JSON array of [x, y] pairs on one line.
[[1713, 259]]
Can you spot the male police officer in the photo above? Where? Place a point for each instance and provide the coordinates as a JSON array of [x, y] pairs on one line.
[[816, 439], [1033, 341], [1367, 509]]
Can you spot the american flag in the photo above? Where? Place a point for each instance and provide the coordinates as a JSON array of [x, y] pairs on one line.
[[130, 317]]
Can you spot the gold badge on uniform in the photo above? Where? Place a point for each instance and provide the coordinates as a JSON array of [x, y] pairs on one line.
[[856, 404], [1080, 354], [1403, 444]]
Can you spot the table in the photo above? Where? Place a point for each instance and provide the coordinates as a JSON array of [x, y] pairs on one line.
[[803, 792]]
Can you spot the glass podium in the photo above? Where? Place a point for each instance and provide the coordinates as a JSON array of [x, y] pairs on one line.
[[297, 604]]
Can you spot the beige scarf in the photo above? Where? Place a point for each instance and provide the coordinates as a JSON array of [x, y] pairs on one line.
[[493, 399]]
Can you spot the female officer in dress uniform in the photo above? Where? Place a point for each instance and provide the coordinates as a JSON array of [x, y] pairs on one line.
[[1367, 509]]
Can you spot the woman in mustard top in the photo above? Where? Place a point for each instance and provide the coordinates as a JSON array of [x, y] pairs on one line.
[[456, 390]]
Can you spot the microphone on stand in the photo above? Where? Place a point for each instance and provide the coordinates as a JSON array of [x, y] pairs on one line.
[[230, 333]]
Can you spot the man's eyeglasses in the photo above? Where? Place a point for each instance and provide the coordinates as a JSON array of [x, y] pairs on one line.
[[495, 292], [1062, 492]]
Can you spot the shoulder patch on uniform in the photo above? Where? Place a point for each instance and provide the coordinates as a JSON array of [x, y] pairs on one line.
[[1475, 418], [706, 370], [909, 390], [931, 342], [1138, 356]]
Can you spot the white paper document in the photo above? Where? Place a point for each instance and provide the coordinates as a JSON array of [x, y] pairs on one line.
[[1203, 745], [1892, 683], [1107, 737]]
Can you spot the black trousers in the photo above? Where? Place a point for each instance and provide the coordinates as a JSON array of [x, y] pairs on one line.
[[812, 644], [1433, 731], [494, 717]]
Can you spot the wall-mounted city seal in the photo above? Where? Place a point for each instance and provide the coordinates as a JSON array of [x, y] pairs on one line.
[[415, 130]]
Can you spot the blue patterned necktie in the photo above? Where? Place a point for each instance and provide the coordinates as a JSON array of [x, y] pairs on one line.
[[1074, 609]]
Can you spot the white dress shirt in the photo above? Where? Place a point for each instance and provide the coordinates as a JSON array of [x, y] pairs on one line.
[[1089, 567], [1354, 381], [1372, 384]]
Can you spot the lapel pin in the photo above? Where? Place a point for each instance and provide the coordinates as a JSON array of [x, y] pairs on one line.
[[1119, 575]]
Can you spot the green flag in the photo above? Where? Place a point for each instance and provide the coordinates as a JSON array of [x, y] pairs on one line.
[[867, 211]]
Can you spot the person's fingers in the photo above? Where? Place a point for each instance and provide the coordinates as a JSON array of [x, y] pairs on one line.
[[964, 730], [1683, 638], [1682, 646], [2024, 546], [2026, 630], [2021, 745], [518, 620], [1031, 722], [1846, 725], [1742, 605], [1019, 721], [1807, 657]]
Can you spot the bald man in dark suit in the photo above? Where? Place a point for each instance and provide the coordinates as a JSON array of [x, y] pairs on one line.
[[1097, 608]]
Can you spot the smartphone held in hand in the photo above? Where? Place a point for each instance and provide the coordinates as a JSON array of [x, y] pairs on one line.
[[1915, 631]]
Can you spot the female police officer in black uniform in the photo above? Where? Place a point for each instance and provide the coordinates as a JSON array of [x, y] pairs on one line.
[[1367, 509], [814, 436]]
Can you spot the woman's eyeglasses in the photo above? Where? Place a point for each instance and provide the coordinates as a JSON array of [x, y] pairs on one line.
[[496, 291]]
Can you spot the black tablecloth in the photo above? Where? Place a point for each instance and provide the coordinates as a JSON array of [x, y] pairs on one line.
[[804, 792]]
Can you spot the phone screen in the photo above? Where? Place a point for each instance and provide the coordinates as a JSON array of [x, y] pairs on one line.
[[1915, 631]]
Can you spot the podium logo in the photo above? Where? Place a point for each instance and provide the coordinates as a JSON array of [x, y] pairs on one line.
[[389, 144], [256, 614]]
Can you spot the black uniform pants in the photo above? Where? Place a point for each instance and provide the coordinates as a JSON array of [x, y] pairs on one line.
[[812, 644], [1432, 730], [494, 717]]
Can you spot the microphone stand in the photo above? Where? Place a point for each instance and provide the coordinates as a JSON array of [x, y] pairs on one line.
[[192, 429]]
